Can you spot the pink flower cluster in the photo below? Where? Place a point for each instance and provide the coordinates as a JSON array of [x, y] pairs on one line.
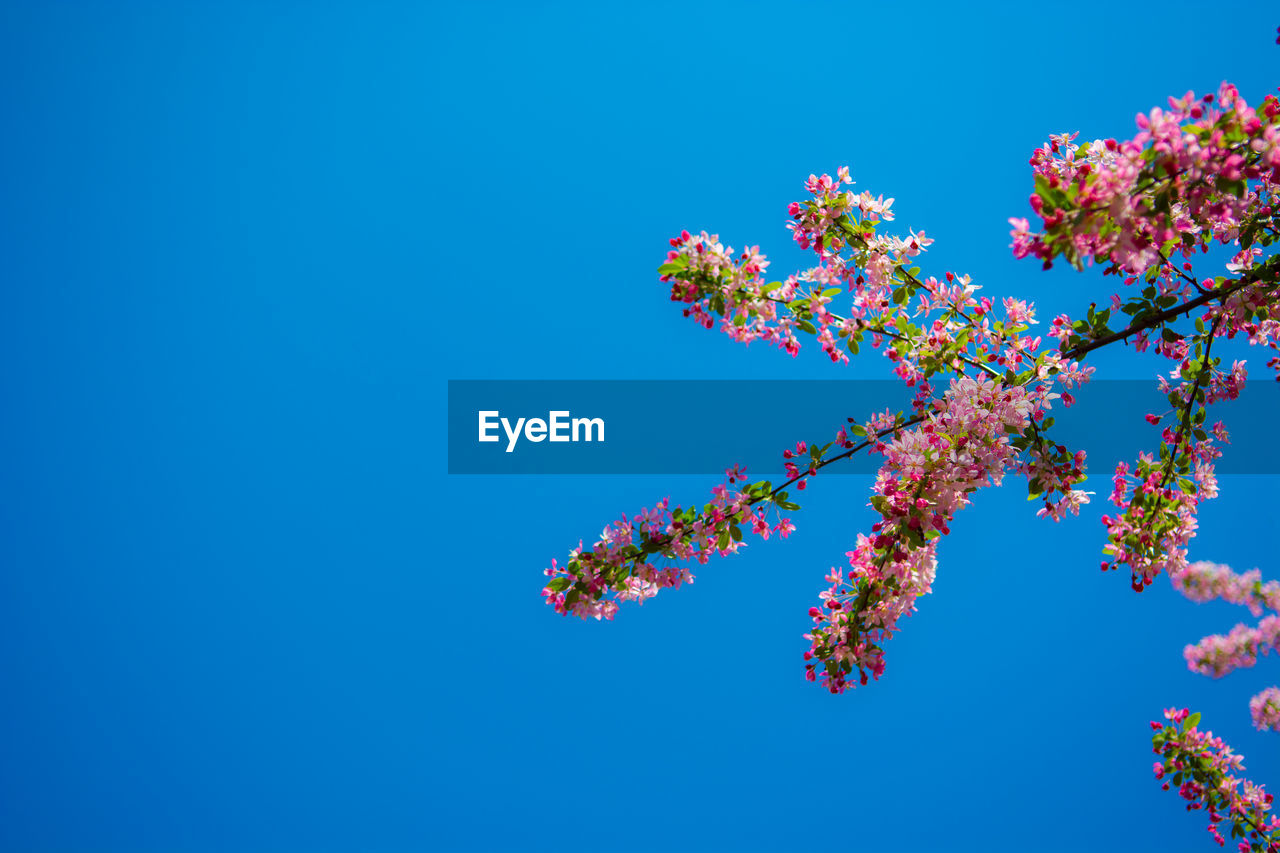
[[1158, 497], [1205, 581], [706, 276], [929, 472], [617, 567], [1206, 772], [1265, 709], [1158, 515], [1219, 654], [1182, 178]]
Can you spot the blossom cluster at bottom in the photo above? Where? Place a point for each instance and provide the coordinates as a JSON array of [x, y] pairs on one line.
[[1204, 768]]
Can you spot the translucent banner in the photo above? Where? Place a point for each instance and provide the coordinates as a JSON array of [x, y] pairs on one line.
[[705, 426]]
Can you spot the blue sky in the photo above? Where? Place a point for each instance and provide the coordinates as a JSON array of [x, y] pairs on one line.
[[242, 605]]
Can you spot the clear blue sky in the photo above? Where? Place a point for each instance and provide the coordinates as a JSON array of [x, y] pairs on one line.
[[242, 607]]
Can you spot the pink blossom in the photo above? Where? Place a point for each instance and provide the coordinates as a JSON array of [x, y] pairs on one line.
[[1265, 709]]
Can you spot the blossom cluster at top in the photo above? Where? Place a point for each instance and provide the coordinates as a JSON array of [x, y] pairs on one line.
[[1182, 179]]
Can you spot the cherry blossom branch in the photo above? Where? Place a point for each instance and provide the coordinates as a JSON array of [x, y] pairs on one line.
[[1182, 182], [1159, 318], [1205, 770], [618, 564], [1194, 395]]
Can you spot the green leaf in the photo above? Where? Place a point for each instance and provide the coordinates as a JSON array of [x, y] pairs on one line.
[[1235, 188], [559, 584]]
